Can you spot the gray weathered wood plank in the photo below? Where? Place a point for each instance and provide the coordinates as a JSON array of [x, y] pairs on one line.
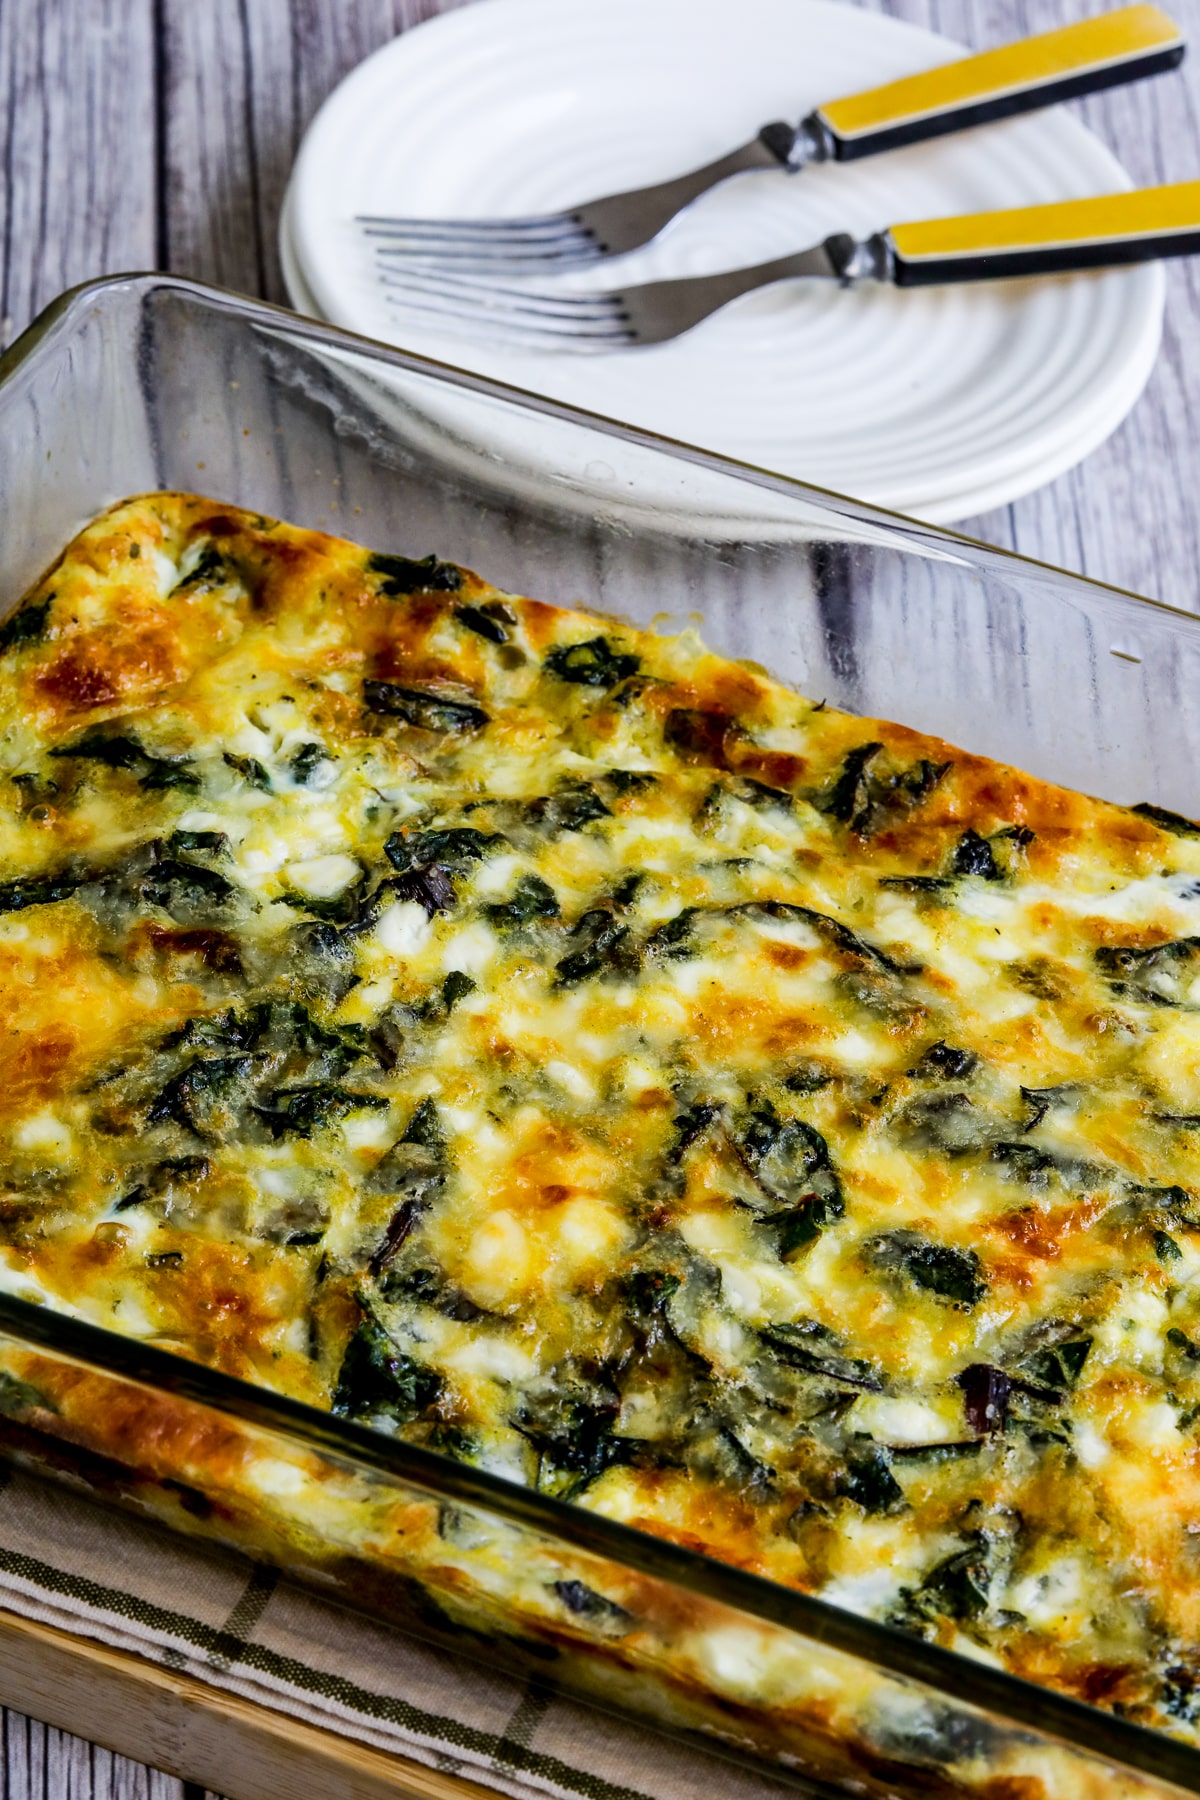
[[78, 180]]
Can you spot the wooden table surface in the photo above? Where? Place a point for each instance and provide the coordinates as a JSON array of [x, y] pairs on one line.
[[143, 134]]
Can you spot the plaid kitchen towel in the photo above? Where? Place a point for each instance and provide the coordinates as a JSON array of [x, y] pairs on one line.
[[105, 1575]]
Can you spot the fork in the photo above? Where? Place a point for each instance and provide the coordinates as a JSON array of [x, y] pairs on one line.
[[1078, 59], [1139, 226]]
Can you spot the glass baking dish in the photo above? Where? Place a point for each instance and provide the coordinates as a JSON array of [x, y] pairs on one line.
[[149, 382]]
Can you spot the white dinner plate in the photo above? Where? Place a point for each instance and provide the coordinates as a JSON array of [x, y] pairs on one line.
[[939, 402]]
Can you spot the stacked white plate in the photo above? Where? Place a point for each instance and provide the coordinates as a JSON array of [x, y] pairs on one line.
[[938, 402]]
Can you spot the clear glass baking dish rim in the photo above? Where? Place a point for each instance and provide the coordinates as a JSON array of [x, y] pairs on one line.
[[1029, 1708], [939, 539]]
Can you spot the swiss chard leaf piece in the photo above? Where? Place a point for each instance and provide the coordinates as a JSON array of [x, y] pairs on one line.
[[935, 1453], [431, 888], [690, 1127], [946, 1062], [250, 770], [414, 575], [531, 898], [867, 1479], [453, 845], [592, 663], [957, 1588], [25, 626], [650, 1289], [115, 749], [850, 800], [120, 750], [37, 890], [400, 1227], [985, 1392], [586, 1603], [917, 884], [864, 793], [790, 1161], [162, 773], [575, 805], [629, 781], [715, 1450], [794, 1346], [628, 888], [1165, 1247], [672, 939], [758, 794], [951, 1274], [425, 1127], [807, 1078], [184, 1096], [377, 1377], [1024, 1162], [340, 909], [1181, 1690], [170, 883], [1059, 1366], [573, 1434], [486, 621], [457, 985], [604, 953], [1180, 1341], [918, 782], [973, 855], [209, 843], [210, 569], [1158, 975], [18, 1398], [1040, 1101], [306, 761], [298, 1112], [423, 708], [803, 1224], [951, 1124], [429, 1287], [1168, 821], [414, 1167]]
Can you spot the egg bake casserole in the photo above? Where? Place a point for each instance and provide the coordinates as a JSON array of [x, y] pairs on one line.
[[576, 1052]]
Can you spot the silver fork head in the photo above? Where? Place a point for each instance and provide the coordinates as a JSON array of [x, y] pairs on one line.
[[609, 226], [524, 317], [647, 313], [559, 240]]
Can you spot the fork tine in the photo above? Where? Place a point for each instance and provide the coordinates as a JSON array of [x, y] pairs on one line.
[[518, 330], [509, 262], [537, 222], [553, 240], [505, 301], [484, 240], [526, 317]]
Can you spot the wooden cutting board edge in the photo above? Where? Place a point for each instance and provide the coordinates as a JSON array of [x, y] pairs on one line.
[[202, 1734]]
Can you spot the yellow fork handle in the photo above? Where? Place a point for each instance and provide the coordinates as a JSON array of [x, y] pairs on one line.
[[1079, 59], [1141, 226]]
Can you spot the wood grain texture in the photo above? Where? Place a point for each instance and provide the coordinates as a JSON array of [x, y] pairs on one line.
[[124, 1699], [141, 134]]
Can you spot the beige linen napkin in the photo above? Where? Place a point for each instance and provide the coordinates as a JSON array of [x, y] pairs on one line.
[[105, 1575]]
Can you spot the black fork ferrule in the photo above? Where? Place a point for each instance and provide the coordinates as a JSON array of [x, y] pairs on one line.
[[861, 259], [795, 145]]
